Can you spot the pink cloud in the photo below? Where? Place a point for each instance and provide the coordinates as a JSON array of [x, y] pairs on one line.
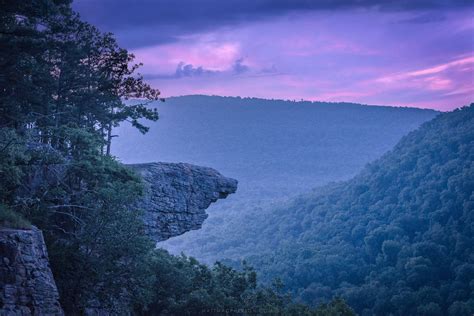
[[216, 56], [349, 56], [439, 68], [455, 75]]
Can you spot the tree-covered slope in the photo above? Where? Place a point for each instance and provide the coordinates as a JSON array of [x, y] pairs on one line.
[[396, 239]]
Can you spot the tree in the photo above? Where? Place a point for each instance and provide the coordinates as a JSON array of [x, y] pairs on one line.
[[59, 71], [63, 86]]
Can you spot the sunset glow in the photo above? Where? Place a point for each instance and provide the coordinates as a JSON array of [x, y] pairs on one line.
[[420, 57]]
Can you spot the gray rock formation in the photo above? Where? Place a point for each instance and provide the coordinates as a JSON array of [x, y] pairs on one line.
[[177, 195], [27, 286]]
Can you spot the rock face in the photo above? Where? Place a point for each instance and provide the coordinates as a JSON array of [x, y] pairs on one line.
[[177, 195], [27, 286]]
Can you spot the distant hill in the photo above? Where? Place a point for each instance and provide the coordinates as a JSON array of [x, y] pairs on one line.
[[397, 239], [274, 144], [274, 148]]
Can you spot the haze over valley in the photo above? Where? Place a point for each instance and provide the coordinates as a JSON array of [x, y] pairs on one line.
[[276, 149]]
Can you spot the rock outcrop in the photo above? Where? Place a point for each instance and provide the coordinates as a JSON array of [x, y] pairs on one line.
[[27, 286], [177, 195]]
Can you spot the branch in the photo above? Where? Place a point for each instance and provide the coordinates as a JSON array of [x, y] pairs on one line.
[[7, 145], [71, 205], [77, 219]]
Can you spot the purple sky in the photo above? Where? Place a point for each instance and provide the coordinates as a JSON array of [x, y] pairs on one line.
[[409, 53]]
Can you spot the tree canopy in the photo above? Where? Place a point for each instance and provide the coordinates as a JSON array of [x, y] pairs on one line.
[[396, 239]]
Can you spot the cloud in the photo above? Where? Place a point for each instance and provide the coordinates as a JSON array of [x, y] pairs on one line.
[[166, 20], [269, 70], [349, 55], [445, 85], [424, 18], [238, 67], [183, 70], [465, 64], [188, 70]]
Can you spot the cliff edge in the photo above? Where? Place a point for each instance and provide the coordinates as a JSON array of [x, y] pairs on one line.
[[27, 286], [177, 195]]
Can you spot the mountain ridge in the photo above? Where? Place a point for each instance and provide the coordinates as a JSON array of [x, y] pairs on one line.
[[301, 101], [392, 240]]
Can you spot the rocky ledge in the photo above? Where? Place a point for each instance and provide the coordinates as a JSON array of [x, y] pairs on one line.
[[177, 195], [27, 286]]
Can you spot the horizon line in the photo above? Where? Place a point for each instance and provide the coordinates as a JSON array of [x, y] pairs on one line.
[[317, 101]]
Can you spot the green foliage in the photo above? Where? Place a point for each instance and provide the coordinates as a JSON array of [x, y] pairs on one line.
[[103, 254], [336, 307], [58, 70], [84, 205], [11, 219], [62, 89], [12, 156], [396, 239], [183, 286]]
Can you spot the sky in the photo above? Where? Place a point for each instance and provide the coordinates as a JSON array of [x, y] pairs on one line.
[[405, 53]]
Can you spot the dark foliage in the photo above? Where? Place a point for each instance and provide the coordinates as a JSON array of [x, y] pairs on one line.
[[183, 286], [396, 239]]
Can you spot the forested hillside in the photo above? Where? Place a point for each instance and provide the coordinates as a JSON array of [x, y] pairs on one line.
[[396, 239], [274, 148]]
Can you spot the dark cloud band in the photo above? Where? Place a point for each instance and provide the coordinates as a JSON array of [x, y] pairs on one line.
[[165, 20]]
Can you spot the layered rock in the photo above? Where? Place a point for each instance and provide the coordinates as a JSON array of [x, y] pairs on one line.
[[27, 286], [177, 195]]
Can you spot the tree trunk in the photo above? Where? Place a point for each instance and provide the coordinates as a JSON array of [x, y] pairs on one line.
[[109, 139]]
